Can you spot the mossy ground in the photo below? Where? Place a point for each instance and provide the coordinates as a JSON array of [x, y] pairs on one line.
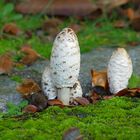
[[117, 118]]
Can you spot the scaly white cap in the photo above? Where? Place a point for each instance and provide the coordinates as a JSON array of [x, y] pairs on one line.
[[65, 59], [47, 85], [119, 70]]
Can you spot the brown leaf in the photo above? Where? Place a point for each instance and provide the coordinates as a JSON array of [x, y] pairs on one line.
[[30, 109], [6, 63], [95, 97], [51, 26], [11, 28], [99, 78], [81, 101], [28, 87], [55, 102], [130, 13], [75, 27], [57, 7], [72, 134], [120, 24], [108, 5], [39, 100], [134, 92], [30, 55], [107, 97], [135, 23]]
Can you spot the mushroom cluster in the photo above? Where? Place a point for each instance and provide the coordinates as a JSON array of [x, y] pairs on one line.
[[119, 70], [61, 79]]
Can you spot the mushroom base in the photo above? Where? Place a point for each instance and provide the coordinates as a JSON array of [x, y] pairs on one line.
[[64, 95]]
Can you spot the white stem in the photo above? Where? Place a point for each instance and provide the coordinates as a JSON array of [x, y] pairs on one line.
[[64, 95]]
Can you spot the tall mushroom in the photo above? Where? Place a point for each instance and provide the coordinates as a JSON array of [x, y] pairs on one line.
[[65, 63], [119, 70]]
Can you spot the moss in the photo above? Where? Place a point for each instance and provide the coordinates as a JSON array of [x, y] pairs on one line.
[[134, 81], [117, 118]]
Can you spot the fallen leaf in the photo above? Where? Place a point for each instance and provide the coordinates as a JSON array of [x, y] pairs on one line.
[[55, 102], [135, 23], [81, 101], [6, 63], [120, 24], [130, 13], [39, 100], [72, 134], [99, 78], [95, 97], [51, 26], [134, 92], [28, 87], [30, 55], [75, 27], [108, 5], [11, 28], [107, 97], [57, 7], [133, 43], [100, 91], [30, 109]]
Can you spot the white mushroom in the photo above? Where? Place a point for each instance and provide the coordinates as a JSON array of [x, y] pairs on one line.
[[65, 63], [119, 70], [47, 85]]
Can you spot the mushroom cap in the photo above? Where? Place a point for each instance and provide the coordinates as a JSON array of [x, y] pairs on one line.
[[65, 59], [119, 70], [47, 85], [76, 91]]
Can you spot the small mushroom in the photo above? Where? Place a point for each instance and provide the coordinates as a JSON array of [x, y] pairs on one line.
[[119, 70], [65, 63], [47, 85]]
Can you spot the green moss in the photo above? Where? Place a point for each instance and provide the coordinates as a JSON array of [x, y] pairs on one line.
[[16, 78], [117, 118], [134, 81]]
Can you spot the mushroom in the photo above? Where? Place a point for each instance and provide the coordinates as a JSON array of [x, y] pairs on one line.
[[47, 85], [76, 91], [119, 70], [65, 63]]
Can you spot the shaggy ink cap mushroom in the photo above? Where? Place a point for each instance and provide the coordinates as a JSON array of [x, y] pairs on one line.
[[65, 63], [119, 70]]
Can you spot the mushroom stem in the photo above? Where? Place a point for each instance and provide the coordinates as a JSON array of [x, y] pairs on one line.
[[64, 95]]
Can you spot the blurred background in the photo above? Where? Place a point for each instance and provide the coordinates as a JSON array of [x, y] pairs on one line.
[[96, 22]]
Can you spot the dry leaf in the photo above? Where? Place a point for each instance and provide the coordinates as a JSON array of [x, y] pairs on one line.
[[135, 23], [28, 87], [30, 109], [81, 101], [11, 28], [108, 5], [39, 100], [75, 27], [6, 63], [120, 24], [55, 102], [51, 26], [130, 13], [99, 78], [30, 55], [134, 92], [95, 97], [57, 7], [72, 134]]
